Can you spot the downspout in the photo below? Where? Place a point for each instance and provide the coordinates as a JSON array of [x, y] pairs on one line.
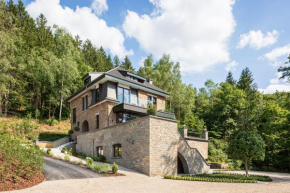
[[93, 147]]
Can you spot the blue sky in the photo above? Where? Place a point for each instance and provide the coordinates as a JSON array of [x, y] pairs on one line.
[[205, 36]]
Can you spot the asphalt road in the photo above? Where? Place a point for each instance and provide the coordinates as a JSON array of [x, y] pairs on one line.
[[57, 170]]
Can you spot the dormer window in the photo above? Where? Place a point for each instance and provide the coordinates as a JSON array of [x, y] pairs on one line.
[[135, 77]]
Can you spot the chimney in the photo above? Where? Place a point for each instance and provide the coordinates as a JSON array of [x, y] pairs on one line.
[[150, 81], [184, 131], [205, 133]]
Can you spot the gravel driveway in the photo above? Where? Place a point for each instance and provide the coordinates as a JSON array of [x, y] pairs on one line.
[[57, 170]]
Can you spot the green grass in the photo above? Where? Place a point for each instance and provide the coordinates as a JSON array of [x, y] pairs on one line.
[[236, 176], [208, 179], [47, 136]]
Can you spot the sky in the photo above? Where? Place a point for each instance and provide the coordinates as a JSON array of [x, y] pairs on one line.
[[207, 37]]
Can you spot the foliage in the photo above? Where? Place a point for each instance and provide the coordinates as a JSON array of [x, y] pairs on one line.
[[98, 168], [51, 121], [115, 168], [89, 161], [66, 158], [25, 129], [70, 132], [48, 136], [106, 168], [48, 151], [247, 146], [51, 154], [70, 151], [151, 109], [76, 128], [236, 176], [18, 159], [217, 151], [208, 179], [64, 150]]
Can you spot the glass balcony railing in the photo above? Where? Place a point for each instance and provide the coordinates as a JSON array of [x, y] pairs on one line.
[[132, 99]]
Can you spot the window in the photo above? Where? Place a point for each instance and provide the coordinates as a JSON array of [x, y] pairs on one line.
[[74, 115], [123, 95], [152, 100], [78, 124], [97, 121], [85, 102], [100, 151], [97, 95], [117, 150], [134, 97]]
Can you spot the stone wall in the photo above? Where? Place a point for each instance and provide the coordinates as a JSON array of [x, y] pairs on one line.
[[150, 145], [132, 135], [201, 145], [160, 100]]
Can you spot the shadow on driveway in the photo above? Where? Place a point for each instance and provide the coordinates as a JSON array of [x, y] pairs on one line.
[[58, 170]]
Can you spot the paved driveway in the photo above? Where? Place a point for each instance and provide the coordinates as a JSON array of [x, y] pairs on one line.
[[57, 170]]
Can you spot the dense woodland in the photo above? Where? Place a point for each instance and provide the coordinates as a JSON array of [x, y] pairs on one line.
[[41, 66]]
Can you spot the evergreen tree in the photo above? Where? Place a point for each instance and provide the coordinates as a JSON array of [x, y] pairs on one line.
[[110, 64], [285, 71], [116, 61], [230, 79], [127, 65], [246, 81], [147, 70]]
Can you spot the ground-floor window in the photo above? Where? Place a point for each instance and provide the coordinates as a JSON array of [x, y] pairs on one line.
[[97, 121], [100, 151], [123, 117], [117, 150]]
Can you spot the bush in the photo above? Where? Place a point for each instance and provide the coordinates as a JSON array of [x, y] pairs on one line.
[[51, 121], [70, 132], [81, 155], [48, 151], [51, 154], [115, 168], [98, 168], [63, 150], [89, 161], [18, 159], [76, 128], [66, 158], [25, 130], [208, 179], [106, 168], [151, 109], [70, 151], [237, 176]]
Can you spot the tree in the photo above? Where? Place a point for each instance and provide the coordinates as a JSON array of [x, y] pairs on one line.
[[116, 61], [246, 81], [127, 65], [285, 71], [147, 70], [230, 79], [247, 146]]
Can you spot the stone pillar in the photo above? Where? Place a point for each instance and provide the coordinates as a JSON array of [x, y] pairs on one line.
[[184, 131], [205, 133]]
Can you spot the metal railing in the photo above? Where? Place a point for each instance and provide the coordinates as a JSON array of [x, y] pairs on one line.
[[132, 99]]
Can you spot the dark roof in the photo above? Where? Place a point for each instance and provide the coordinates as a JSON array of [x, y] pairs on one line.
[[119, 73]]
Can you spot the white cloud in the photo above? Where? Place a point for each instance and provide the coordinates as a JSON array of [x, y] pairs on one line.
[[231, 66], [194, 33], [275, 55], [257, 40], [272, 88], [82, 22], [99, 6]]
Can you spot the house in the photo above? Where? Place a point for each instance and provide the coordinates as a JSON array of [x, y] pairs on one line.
[[109, 117]]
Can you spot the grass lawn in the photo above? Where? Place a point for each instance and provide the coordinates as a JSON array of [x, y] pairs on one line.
[[221, 177], [48, 136]]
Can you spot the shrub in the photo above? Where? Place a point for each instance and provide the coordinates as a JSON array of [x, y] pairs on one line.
[[70, 132], [98, 168], [66, 158], [63, 150], [208, 179], [236, 176], [76, 128], [106, 168], [48, 151], [151, 109], [115, 168], [89, 161], [80, 162], [103, 158], [51, 121], [51, 154], [81, 155], [70, 151]]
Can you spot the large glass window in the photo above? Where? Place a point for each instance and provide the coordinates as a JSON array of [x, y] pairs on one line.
[[134, 97], [100, 151], [117, 150], [97, 121], [74, 115], [123, 95]]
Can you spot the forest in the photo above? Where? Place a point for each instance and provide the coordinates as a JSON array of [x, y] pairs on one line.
[[41, 66]]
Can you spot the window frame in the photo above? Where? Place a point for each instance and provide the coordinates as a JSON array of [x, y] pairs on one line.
[[85, 102], [74, 115], [100, 152], [97, 121], [117, 154]]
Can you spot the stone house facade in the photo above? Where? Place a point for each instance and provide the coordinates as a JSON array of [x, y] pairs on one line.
[[109, 118]]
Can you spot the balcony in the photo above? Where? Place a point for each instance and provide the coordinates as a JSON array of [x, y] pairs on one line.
[[138, 106]]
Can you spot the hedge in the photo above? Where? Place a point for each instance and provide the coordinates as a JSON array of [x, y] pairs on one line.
[[208, 179]]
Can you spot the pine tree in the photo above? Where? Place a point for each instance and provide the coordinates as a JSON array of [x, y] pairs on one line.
[[116, 61], [127, 65], [110, 64], [246, 81], [230, 79]]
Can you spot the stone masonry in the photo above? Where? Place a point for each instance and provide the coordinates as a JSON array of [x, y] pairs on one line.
[[150, 145]]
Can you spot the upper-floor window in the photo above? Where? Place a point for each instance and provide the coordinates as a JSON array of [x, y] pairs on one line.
[[85, 102], [95, 96], [152, 100], [74, 116], [123, 95]]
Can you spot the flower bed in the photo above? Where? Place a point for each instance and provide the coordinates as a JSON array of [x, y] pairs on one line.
[[208, 179], [236, 176]]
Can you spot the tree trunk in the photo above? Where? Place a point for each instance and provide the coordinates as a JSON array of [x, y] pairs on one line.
[[1, 107], [61, 95], [246, 167], [49, 109]]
